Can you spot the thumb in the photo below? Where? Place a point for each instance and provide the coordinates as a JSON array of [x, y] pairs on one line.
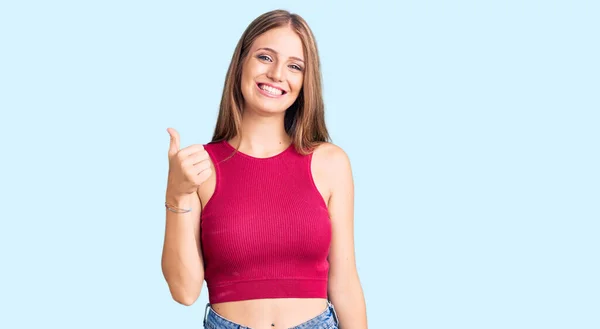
[[174, 144]]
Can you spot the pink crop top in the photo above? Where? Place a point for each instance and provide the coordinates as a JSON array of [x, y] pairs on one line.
[[266, 230]]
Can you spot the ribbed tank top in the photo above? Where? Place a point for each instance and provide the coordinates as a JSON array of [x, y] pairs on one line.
[[265, 231]]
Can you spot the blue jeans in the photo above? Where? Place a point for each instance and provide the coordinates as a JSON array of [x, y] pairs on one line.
[[326, 320]]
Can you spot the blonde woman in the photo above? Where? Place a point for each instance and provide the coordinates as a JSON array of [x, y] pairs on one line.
[[264, 211]]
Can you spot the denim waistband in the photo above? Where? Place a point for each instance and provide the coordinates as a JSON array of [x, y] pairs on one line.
[[326, 320]]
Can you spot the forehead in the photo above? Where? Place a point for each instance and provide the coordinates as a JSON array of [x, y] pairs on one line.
[[283, 40]]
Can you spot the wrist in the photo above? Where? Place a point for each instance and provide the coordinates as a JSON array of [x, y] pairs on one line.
[[180, 200], [178, 205]]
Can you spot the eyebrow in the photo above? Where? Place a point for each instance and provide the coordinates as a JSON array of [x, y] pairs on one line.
[[275, 52]]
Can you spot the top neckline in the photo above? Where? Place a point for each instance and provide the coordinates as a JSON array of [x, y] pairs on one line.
[[286, 150]]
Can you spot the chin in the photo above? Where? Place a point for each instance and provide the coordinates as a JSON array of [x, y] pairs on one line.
[[271, 109]]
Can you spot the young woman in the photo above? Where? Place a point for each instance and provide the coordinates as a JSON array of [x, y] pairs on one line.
[[264, 212]]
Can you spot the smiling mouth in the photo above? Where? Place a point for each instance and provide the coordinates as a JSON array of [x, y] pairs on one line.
[[271, 90]]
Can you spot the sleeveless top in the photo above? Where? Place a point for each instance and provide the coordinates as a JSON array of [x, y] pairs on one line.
[[266, 230]]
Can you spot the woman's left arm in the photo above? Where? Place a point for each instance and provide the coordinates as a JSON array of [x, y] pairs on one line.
[[344, 288]]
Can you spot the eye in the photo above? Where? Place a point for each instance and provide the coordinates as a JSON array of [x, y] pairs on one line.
[[264, 58], [296, 67]]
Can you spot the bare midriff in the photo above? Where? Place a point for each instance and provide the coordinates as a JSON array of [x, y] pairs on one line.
[[271, 313]]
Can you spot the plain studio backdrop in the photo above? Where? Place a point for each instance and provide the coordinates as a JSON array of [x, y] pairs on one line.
[[472, 127]]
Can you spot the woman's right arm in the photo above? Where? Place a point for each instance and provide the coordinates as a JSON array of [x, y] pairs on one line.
[[182, 263]]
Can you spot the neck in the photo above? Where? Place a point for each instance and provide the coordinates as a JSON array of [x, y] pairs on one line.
[[262, 135]]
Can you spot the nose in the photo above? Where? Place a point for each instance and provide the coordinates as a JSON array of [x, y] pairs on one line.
[[275, 72]]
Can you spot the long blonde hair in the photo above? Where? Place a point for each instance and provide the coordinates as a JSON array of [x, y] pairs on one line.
[[305, 118]]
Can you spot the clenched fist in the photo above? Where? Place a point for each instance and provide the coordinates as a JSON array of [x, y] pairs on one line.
[[188, 167]]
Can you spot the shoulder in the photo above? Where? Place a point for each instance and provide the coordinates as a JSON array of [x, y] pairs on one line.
[[331, 152], [213, 144], [331, 159], [217, 150]]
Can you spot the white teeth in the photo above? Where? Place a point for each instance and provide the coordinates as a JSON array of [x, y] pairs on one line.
[[271, 90]]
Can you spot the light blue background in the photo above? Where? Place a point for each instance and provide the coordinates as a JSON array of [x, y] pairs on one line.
[[472, 126]]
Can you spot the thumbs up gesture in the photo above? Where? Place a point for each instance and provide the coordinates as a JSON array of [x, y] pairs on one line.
[[188, 167]]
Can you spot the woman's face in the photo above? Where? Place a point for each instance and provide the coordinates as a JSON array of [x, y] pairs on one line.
[[273, 72]]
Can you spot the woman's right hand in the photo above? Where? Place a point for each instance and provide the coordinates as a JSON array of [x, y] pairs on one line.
[[188, 167]]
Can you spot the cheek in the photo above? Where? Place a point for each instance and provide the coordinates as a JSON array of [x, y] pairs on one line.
[[296, 83], [247, 82]]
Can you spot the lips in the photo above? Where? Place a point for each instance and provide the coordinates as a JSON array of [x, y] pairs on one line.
[[270, 90]]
